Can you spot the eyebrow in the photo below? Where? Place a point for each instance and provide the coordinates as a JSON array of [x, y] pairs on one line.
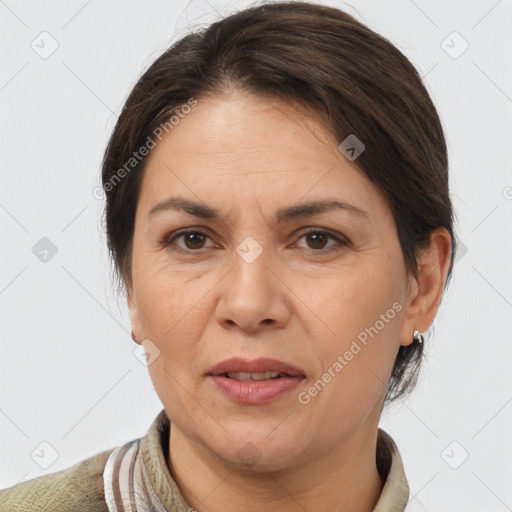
[[291, 212]]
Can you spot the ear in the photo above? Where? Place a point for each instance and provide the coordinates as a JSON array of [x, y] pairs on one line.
[[426, 292], [134, 315]]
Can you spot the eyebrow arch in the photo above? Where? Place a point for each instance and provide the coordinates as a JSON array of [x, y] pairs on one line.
[[292, 212]]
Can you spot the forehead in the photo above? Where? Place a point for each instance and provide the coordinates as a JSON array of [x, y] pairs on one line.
[[254, 148], [243, 126]]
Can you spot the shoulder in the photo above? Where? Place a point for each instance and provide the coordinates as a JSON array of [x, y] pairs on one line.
[[78, 488]]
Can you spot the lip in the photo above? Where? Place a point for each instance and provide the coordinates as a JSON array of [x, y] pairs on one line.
[[256, 392], [261, 365]]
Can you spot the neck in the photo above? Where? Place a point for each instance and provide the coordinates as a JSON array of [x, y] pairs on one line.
[[345, 478]]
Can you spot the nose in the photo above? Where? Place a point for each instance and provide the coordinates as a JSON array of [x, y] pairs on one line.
[[253, 296]]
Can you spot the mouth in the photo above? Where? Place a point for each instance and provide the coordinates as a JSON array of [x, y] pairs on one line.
[[255, 382], [256, 370]]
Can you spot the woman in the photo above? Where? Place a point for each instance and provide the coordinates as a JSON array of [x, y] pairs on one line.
[[278, 212]]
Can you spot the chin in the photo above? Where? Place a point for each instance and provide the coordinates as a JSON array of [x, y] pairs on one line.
[[254, 459], [258, 452]]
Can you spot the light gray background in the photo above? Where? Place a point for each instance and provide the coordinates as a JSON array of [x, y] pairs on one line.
[[67, 369]]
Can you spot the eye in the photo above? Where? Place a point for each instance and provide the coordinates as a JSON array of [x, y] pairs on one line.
[[192, 239], [317, 239]]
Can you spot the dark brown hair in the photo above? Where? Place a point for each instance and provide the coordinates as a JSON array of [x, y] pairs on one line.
[[326, 60]]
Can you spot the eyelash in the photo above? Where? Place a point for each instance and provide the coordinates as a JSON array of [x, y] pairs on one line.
[[168, 240]]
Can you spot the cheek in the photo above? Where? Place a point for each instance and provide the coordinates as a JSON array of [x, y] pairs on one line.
[[174, 313], [361, 317], [166, 294], [346, 302]]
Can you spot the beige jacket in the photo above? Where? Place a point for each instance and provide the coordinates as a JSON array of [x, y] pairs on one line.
[[135, 477]]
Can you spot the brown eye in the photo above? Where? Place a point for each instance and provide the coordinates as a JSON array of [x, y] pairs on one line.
[[317, 239], [192, 241]]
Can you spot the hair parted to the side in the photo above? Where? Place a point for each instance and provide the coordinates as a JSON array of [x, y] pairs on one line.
[[321, 58]]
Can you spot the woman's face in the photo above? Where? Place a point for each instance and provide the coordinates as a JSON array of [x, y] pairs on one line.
[[250, 283]]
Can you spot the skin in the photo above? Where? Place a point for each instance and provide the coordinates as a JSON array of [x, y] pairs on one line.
[[249, 156]]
